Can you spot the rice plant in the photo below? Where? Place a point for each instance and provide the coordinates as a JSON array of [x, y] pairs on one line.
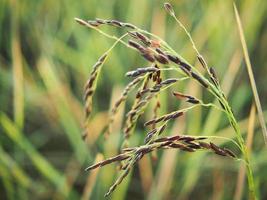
[[150, 83]]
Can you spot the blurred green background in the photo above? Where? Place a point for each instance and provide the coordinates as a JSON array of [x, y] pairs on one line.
[[45, 60]]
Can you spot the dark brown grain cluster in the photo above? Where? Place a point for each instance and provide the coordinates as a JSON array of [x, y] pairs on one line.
[[144, 96], [182, 142]]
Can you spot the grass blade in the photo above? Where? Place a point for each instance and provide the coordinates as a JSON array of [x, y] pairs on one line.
[[251, 76], [17, 172], [91, 180], [17, 73], [7, 182], [242, 171], [41, 164]]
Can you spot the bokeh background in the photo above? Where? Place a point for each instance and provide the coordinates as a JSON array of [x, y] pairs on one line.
[[45, 60]]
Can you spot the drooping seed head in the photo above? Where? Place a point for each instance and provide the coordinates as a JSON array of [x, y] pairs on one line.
[[119, 157]]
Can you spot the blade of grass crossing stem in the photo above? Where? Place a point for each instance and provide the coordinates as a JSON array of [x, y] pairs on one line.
[[18, 90], [242, 171], [41, 164], [19, 175], [251, 76]]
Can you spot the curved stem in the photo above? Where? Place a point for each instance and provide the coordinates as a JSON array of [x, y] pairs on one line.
[[245, 154]]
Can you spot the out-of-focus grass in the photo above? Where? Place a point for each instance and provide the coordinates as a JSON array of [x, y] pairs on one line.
[[45, 59]]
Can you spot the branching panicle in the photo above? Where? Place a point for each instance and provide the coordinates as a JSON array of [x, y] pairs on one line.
[[160, 56]]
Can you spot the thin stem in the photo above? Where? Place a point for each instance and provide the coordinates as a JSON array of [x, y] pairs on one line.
[[245, 154], [212, 105], [187, 33]]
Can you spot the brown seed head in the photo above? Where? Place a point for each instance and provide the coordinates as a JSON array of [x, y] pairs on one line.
[[168, 8], [202, 61]]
